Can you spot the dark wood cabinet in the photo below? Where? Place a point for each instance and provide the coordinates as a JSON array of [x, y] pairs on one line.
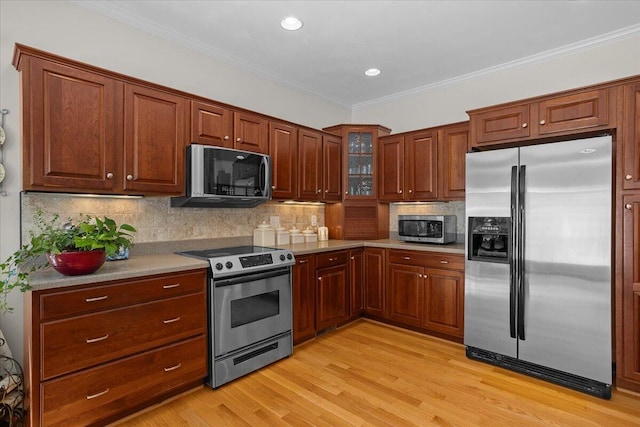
[[374, 281], [357, 220], [304, 298], [70, 117], [283, 149], [356, 281], [250, 132], [630, 167], [572, 112], [130, 341], [211, 124], [391, 165], [420, 157], [332, 289], [452, 151], [320, 163], [426, 289], [155, 137]]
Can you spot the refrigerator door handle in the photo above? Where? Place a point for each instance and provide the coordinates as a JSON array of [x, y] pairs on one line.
[[513, 265], [520, 238]]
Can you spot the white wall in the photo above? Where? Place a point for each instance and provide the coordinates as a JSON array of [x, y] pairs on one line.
[[449, 103], [69, 30]]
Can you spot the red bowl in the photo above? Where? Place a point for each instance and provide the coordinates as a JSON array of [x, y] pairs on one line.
[[76, 263]]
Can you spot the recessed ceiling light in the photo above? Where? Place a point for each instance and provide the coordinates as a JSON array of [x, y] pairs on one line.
[[372, 72], [291, 23]]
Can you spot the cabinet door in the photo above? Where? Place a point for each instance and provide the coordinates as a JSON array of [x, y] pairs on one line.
[[452, 150], [374, 281], [69, 128], [211, 124], [356, 280], [310, 165], [332, 296], [391, 166], [579, 111], [304, 298], [404, 294], [500, 124], [250, 132], [631, 141], [444, 301], [421, 173], [630, 348], [283, 149], [360, 168], [332, 168], [155, 136]]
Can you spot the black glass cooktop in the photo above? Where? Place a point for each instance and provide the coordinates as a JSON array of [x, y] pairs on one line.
[[222, 252]]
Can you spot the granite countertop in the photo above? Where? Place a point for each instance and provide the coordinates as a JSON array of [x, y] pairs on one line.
[[160, 258]]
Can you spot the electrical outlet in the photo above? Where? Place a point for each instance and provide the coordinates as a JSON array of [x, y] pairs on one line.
[[274, 221], [314, 221]]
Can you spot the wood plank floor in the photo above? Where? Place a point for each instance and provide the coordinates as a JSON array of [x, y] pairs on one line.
[[369, 374]]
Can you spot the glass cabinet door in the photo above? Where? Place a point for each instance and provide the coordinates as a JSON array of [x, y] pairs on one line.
[[361, 164]]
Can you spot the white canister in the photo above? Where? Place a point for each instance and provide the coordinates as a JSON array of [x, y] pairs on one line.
[[282, 236], [296, 236], [323, 233], [309, 236], [264, 235]]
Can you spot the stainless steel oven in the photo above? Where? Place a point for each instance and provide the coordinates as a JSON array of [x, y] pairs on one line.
[[250, 309]]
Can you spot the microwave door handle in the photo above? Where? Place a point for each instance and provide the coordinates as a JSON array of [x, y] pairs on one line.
[[264, 165]]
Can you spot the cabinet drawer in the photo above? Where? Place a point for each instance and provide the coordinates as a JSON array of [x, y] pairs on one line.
[[92, 395], [427, 259], [81, 342], [86, 300], [329, 259]]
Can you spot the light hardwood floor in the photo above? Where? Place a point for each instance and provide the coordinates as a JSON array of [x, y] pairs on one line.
[[370, 374]]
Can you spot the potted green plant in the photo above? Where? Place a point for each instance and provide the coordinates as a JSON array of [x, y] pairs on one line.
[[72, 249]]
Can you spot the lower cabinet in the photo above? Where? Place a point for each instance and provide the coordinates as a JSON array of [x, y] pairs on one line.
[[374, 281], [356, 281], [332, 289], [304, 298], [426, 290], [101, 351]]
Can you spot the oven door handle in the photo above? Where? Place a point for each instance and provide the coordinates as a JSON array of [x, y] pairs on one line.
[[218, 283]]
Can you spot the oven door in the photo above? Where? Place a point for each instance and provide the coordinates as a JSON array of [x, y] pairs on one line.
[[250, 308]]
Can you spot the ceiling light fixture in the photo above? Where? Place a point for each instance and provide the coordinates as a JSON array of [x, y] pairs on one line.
[[291, 23], [372, 72]]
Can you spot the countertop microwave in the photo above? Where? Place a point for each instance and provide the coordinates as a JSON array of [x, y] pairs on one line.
[[224, 177], [427, 228]]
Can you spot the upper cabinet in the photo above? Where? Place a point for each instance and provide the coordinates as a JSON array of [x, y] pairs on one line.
[[360, 154], [250, 132], [578, 111], [423, 165], [85, 131], [283, 149], [320, 162], [631, 145], [211, 124]]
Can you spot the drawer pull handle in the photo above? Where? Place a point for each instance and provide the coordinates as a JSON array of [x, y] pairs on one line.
[[442, 261], [92, 340], [332, 259], [406, 257], [175, 319], [93, 396], [94, 299], [173, 368], [174, 285], [304, 261]]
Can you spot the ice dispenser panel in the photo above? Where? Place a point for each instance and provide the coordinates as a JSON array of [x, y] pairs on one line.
[[490, 239]]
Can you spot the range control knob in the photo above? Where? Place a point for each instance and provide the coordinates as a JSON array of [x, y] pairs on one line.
[[289, 256], [282, 257], [229, 264], [219, 266]]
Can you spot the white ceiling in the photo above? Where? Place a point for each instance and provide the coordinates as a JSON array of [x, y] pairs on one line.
[[416, 44]]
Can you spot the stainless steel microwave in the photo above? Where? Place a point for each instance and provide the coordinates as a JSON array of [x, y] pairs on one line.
[[224, 177], [427, 228]]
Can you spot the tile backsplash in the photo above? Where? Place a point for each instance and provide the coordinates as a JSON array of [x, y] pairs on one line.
[[156, 221]]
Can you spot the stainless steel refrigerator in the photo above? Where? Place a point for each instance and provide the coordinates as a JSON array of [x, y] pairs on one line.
[[538, 261]]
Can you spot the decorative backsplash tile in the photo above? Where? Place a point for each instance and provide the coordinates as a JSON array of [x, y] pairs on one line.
[[156, 221]]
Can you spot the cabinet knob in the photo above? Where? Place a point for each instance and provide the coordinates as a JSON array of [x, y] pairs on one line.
[[273, 187], [628, 206], [239, 140], [226, 137], [346, 192], [320, 279], [524, 125], [542, 122], [109, 175], [420, 275], [426, 276], [400, 192], [319, 191], [326, 191], [410, 191], [353, 257], [628, 177], [129, 177]]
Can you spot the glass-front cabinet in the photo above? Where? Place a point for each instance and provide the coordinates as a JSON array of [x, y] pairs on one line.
[[360, 171]]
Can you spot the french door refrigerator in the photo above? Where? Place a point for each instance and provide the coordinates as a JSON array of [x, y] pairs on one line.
[[538, 261]]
